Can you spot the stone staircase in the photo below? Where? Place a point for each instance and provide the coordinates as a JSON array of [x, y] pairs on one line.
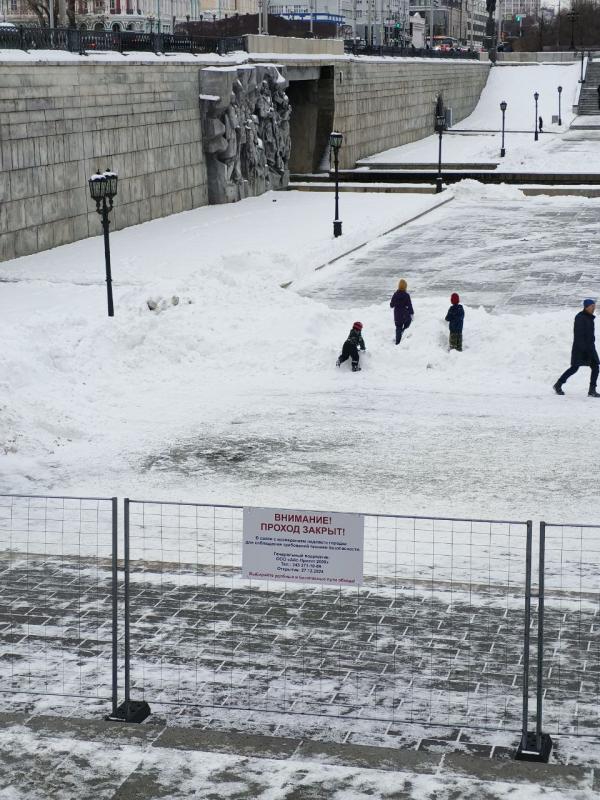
[[588, 99]]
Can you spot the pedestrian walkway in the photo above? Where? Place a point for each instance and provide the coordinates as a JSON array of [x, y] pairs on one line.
[[502, 253], [46, 758]]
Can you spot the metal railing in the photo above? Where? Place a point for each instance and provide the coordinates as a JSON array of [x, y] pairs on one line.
[[83, 41], [58, 583], [434, 635], [408, 52]]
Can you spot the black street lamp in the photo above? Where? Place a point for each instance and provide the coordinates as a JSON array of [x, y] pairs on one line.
[[335, 142], [536, 98], [559, 94], [503, 105], [440, 127], [103, 187], [581, 78]]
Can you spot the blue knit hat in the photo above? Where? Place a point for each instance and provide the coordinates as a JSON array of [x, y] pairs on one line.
[[588, 302]]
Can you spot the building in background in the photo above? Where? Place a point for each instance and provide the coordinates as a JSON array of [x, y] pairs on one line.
[[463, 20], [134, 15]]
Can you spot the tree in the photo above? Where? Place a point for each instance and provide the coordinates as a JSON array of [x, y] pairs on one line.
[[41, 8]]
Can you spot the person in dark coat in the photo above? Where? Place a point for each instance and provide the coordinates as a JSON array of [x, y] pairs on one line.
[[351, 345], [454, 318], [540, 124], [599, 96], [403, 310], [584, 352]]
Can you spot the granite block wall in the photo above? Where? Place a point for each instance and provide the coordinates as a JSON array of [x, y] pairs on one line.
[[59, 122], [379, 105]]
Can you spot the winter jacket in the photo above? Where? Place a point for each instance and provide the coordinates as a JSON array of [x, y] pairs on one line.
[[355, 338], [402, 306], [455, 317], [584, 349]]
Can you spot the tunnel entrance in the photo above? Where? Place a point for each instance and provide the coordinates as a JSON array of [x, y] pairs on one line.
[[311, 95]]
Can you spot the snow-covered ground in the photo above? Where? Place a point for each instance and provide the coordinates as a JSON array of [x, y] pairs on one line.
[[232, 395], [477, 139]]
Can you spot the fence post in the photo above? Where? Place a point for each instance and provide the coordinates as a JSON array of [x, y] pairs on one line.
[[115, 604], [129, 710], [543, 740], [533, 746]]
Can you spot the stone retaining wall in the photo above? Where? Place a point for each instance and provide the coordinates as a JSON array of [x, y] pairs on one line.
[[61, 121], [383, 105]]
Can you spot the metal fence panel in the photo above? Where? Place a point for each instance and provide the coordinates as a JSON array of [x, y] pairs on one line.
[[434, 635], [569, 640], [57, 584]]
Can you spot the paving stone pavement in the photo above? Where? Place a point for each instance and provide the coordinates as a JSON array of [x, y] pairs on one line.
[[548, 259], [343, 661], [47, 757]]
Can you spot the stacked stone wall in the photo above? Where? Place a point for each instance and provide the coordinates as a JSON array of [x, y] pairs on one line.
[[379, 105], [59, 122]]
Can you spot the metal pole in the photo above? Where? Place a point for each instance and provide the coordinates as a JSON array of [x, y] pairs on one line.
[[115, 605], [431, 26], [572, 15], [438, 180], [581, 78], [540, 642], [337, 223], [105, 226], [312, 15], [502, 150], [127, 653], [526, 636], [559, 117], [536, 137]]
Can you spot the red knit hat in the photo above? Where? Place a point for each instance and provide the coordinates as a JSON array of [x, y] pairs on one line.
[[358, 326], [454, 299]]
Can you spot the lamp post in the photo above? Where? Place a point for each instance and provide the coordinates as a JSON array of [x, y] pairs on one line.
[[503, 105], [572, 16], [103, 188], [581, 78], [559, 94], [536, 98], [440, 127], [335, 142]]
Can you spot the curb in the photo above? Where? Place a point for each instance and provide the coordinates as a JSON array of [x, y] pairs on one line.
[[287, 284]]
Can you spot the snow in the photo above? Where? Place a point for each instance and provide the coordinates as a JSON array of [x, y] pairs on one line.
[[477, 139], [229, 363], [516, 84], [39, 766], [149, 392]]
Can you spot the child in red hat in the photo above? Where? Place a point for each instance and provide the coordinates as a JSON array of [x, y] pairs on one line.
[[455, 318], [351, 345]]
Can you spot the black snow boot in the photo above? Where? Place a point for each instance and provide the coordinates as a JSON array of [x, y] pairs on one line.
[[355, 368], [558, 388], [338, 362], [593, 393]]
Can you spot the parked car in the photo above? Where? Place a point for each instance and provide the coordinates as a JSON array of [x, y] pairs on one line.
[[7, 26]]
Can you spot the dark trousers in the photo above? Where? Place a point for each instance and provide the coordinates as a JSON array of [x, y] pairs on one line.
[[456, 341], [572, 370], [350, 350], [400, 330]]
